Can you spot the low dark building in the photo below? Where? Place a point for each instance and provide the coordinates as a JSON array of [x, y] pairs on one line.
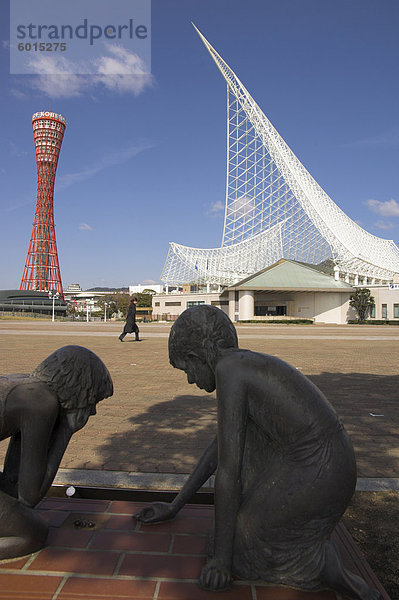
[[31, 301]]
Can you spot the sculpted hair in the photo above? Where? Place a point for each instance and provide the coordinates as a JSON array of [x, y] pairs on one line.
[[204, 330], [76, 376]]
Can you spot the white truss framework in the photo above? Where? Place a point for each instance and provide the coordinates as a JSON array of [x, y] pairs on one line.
[[224, 265], [274, 209]]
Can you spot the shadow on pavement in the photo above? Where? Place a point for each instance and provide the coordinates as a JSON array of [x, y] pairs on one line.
[[170, 436], [368, 406]]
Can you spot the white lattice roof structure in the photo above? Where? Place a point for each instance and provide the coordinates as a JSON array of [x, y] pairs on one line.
[[274, 209]]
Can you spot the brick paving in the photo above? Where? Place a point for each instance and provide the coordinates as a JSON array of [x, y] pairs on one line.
[[120, 558]]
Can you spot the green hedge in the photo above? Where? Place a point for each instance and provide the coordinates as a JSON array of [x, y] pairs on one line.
[[278, 322], [373, 322]]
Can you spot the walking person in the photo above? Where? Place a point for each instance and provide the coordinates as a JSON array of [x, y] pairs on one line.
[[131, 325]]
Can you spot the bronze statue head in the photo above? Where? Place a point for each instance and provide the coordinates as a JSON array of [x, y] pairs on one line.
[[78, 378], [202, 331]]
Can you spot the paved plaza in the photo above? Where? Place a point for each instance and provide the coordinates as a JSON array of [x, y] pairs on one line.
[[151, 433], [159, 424]]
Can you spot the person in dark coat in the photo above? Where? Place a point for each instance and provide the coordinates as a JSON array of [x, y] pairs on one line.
[[131, 325]]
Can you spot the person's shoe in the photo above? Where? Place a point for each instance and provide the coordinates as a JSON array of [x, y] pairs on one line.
[[121, 339], [137, 340]]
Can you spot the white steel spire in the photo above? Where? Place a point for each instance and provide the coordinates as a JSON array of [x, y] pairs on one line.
[[270, 196]]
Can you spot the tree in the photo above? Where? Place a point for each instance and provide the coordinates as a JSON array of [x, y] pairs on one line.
[[144, 298], [116, 304], [111, 305], [72, 310], [122, 303], [362, 301]]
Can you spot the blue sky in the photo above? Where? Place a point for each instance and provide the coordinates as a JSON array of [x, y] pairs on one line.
[[143, 159]]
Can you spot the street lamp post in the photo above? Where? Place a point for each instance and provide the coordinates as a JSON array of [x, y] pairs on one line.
[[53, 294], [105, 311]]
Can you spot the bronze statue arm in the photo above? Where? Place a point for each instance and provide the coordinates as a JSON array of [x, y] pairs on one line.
[[161, 511], [232, 420], [9, 478], [34, 417], [205, 467], [58, 444]]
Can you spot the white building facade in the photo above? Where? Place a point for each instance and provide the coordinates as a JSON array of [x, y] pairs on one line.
[[140, 287], [285, 291]]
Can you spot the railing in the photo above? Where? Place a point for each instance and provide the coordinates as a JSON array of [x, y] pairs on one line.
[[163, 317], [31, 314]]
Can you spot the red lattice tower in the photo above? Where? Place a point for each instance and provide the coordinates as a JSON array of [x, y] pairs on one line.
[[42, 270]]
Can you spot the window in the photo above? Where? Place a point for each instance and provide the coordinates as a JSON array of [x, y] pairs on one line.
[[172, 303], [396, 311], [236, 304], [191, 303], [372, 312], [157, 304], [220, 302], [384, 311]]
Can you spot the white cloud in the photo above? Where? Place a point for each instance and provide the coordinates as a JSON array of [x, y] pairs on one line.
[[384, 225], [119, 71], [385, 209], [111, 159], [17, 205], [15, 151], [85, 227], [386, 138], [18, 94], [241, 205], [122, 71], [149, 282], [59, 86], [216, 208], [67, 83], [242, 208]]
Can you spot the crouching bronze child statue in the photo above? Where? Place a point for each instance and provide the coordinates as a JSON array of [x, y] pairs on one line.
[[285, 466], [39, 413]]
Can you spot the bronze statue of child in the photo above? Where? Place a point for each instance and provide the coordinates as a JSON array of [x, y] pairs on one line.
[[40, 413], [286, 468]]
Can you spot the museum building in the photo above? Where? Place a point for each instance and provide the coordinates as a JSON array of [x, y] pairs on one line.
[[288, 251], [287, 290]]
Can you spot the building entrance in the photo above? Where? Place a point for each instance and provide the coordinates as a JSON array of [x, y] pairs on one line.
[[270, 310]]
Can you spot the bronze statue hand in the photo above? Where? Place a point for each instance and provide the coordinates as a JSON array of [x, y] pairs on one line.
[[215, 576], [157, 511]]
